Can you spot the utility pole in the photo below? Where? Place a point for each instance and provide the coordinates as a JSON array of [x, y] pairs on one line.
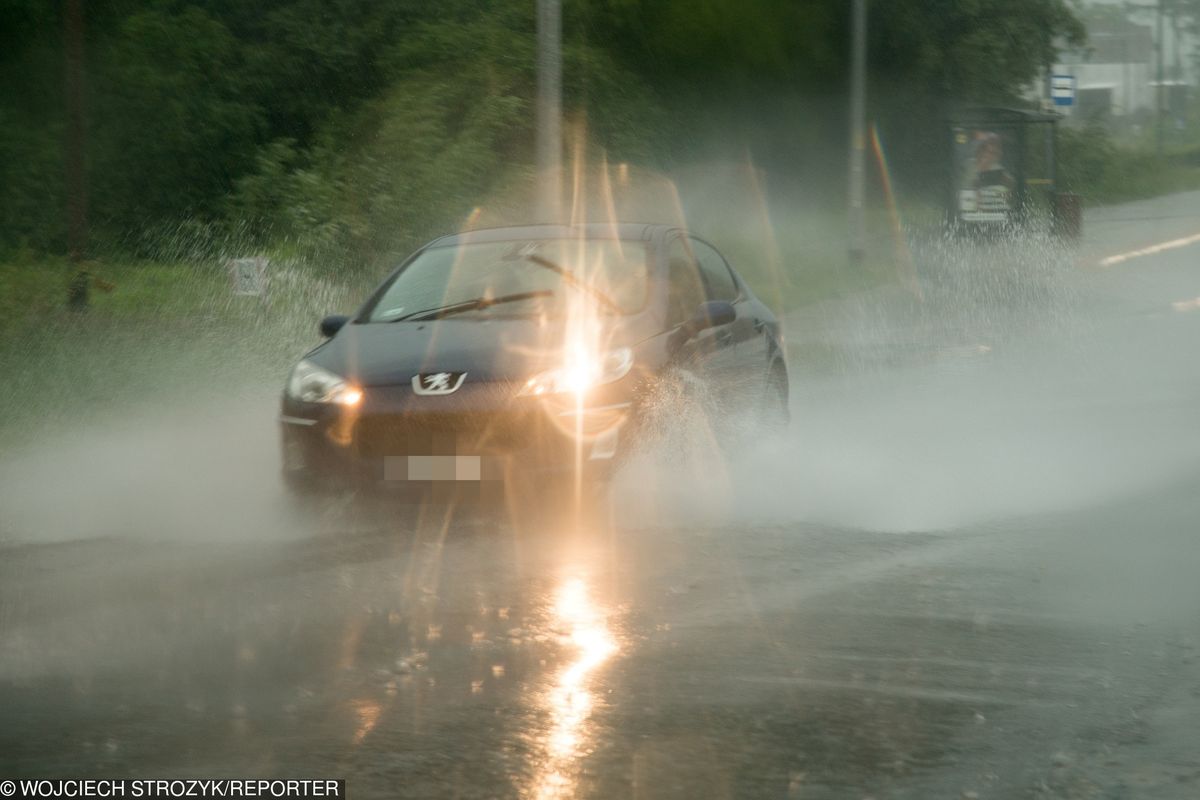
[[549, 110], [76, 184], [856, 219], [1177, 77], [77, 296], [1158, 95], [1159, 105], [1177, 69]]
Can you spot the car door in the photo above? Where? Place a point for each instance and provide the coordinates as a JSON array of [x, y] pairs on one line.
[[746, 349], [710, 354]]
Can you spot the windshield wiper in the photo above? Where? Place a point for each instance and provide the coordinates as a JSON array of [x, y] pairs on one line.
[[471, 305], [570, 278]]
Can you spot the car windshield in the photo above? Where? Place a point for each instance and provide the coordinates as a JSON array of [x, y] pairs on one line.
[[517, 278]]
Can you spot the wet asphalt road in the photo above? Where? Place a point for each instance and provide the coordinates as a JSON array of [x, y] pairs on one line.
[[967, 573]]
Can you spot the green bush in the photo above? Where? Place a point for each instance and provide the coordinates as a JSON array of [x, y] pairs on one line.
[[1093, 165]]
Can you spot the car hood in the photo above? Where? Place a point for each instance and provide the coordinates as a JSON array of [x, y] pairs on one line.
[[390, 354]]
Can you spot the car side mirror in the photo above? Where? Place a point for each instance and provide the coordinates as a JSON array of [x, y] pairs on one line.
[[332, 324], [712, 314], [708, 315]]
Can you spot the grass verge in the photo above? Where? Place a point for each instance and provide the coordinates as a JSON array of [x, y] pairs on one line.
[[1105, 173], [164, 331]]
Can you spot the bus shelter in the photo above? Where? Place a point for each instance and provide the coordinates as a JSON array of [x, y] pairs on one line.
[[1003, 169]]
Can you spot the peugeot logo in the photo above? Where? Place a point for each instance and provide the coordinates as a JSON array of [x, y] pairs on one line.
[[437, 382]]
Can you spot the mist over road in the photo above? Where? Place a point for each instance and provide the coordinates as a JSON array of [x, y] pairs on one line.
[[969, 567]]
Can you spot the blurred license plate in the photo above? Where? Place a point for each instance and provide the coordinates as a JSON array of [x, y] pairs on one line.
[[433, 468]]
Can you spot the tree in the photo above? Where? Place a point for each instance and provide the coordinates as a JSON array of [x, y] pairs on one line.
[[372, 122], [173, 119]]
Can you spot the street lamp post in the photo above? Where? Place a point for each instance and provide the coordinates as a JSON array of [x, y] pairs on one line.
[[77, 295], [549, 110], [856, 218], [1159, 106]]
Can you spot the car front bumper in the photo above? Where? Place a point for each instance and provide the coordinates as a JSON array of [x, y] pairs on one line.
[[397, 438]]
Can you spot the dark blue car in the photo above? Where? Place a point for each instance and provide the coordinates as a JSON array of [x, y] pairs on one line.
[[527, 350]]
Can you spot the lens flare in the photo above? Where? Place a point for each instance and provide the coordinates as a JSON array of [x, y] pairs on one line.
[[904, 260], [571, 700]]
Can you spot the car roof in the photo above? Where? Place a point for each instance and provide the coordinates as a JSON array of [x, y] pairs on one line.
[[636, 231]]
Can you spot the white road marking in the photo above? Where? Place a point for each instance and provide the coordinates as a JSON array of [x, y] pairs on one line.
[[1151, 250]]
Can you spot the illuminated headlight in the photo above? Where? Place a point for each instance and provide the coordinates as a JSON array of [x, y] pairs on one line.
[[311, 384], [580, 372]]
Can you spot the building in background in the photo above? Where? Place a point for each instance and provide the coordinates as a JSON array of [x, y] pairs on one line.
[[1116, 72]]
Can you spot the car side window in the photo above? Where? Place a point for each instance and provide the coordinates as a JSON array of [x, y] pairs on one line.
[[685, 287], [717, 275]]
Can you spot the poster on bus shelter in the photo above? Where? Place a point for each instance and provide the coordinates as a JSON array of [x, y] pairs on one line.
[[985, 184]]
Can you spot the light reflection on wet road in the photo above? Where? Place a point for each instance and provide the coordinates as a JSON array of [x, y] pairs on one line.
[[571, 699]]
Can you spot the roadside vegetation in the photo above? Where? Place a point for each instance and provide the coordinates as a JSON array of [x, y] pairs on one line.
[[1103, 171], [165, 333]]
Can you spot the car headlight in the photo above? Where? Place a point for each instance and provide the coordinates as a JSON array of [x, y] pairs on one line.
[[580, 372], [311, 384]]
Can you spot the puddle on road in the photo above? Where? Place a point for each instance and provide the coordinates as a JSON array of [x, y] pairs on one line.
[[585, 636]]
